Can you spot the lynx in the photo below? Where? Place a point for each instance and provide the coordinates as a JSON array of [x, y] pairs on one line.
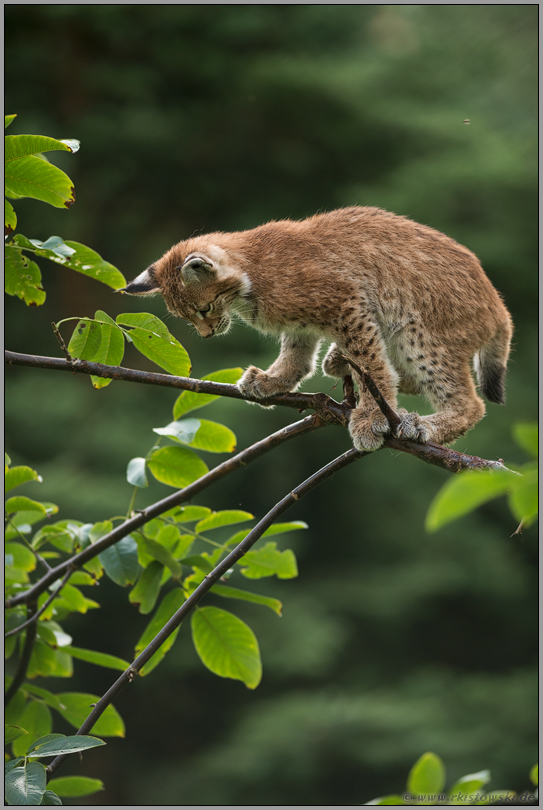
[[405, 302]]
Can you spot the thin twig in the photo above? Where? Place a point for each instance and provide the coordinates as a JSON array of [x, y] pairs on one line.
[[63, 346], [26, 654], [240, 550], [306, 425], [36, 616], [392, 417]]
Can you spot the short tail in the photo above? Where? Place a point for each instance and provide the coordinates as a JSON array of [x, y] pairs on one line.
[[491, 362]]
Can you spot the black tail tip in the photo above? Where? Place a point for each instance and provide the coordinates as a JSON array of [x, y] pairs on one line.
[[493, 386]]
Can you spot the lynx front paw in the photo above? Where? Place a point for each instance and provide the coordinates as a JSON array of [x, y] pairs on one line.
[[257, 383], [412, 427], [368, 429]]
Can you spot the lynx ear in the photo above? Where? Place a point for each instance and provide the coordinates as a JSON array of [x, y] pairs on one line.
[[144, 284], [197, 268]]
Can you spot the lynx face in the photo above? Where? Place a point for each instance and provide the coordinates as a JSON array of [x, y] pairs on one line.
[[195, 288]]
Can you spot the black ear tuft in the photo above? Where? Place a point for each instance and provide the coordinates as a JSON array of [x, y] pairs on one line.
[[144, 284]]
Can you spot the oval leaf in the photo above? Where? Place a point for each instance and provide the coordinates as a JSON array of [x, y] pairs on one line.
[[214, 438], [225, 518], [464, 493], [101, 659], [18, 146], [153, 339], [20, 475], [189, 400], [26, 786], [135, 473], [77, 707], [427, 776], [22, 277], [183, 431], [145, 594], [121, 561], [22, 504], [268, 562], [85, 340], [33, 177], [226, 645], [71, 786], [111, 349], [246, 596], [176, 466], [10, 217]]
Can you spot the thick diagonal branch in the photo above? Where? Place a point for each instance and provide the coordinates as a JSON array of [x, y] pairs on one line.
[[240, 550], [253, 452]]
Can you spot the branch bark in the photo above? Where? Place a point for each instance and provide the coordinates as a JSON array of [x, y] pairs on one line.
[[26, 654], [186, 608], [306, 425], [327, 409]]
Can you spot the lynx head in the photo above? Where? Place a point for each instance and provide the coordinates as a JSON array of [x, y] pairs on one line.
[[198, 282]]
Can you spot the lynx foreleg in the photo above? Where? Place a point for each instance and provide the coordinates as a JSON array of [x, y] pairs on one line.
[[296, 361]]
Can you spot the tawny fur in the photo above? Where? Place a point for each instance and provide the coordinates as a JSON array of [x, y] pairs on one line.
[[409, 304]]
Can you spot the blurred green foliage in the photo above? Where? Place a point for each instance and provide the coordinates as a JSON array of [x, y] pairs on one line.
[[194, 118]]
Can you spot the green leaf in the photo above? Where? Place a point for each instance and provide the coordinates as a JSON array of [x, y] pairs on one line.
[[37, 720], [48, 697], [22, 277], [47, 662], [183, 431], [8, 119], [23, 558], [472, 783], [157, 551], [25, 786], [277, 528], [51, 798], [10, 217], [82, 259], [19, 146], [64, 745], [32, 177], [101, 659], [78, 707], [534, 775], [152, 338], [268, 562], [71, 786], [169, 605], [111, 349], [188, 514], [214, 438], [176, 466], [226, 645], [85, 340], [120, 561], [465, 492], [21, 504], [189, 401], [524, 498], [247, 596], [12, 733], [20, 475], [145, 593], [225, 518], [427, 775], [75, 599], [135, 473]]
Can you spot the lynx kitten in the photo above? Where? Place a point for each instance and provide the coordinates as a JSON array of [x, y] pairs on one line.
[[407, 303]]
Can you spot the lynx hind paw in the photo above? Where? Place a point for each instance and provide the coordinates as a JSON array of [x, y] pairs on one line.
[[257, 383], [412, 427], [368, 430], [334, 365]]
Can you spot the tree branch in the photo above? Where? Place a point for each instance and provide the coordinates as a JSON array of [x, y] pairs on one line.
[[328, 410], [306, 425], [240, 550], [26, 654], [38, 613]]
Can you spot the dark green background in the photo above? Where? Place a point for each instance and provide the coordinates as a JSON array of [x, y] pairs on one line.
[[195, 118]]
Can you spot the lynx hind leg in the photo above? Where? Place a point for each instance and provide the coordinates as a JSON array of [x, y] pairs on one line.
[[296, 361], [458, 410], [333, 364]]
